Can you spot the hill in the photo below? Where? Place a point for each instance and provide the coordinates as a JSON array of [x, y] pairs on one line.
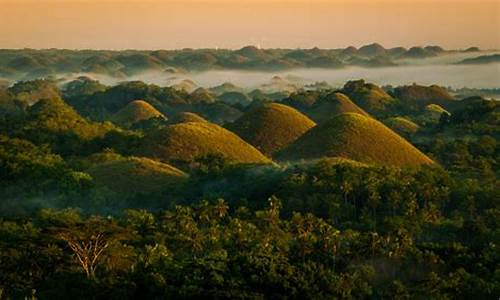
[[185, 142], [402, 125], [185, 117], [201, 95], [368, 96], [232, 98], [331, 105], [50, 117], [422, 95], [484, 59], [136, 111], [435, 109], [271, 127], [133, 175], [225, 88], [372, 50], [355, 137], [186, 85]]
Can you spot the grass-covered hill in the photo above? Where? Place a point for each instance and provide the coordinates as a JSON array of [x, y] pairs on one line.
[[185, 117], [136, 111], [368, 96], [185, 142], [419, 95], [130, 176], [402, 125], [433, 113], [49, 119], [331, 105], [271, 127], [356, 137]]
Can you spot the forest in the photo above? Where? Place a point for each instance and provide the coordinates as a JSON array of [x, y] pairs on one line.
[[136, 190]]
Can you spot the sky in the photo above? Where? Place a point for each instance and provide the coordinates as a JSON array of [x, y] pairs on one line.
[[176, 24]]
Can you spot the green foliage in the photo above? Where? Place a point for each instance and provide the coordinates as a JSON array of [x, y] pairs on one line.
[[361, 225]]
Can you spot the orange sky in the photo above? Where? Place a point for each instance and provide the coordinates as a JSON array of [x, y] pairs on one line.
[[154, 24]]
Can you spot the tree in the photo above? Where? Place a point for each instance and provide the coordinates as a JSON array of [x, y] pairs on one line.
[[89, 242]]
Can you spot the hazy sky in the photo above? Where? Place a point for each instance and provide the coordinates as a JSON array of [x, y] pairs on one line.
[[154, 24]]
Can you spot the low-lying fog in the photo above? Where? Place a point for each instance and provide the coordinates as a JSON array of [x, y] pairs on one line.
[[437, 70]]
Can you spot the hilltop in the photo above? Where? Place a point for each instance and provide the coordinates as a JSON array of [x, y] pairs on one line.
[[186, 117], [136, 111], [185, 142], [135, 175], [368, 96], [271, 127], [402, 125], [331, 105], [356, 137], [420, 95]]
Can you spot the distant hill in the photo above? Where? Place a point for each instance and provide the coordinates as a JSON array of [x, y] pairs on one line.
[[235, 98], [355, 137], [331, 105], [368, 96], [484, 59], [201, 95], [31, 64], [419, 52], [422, 95], [186, 85], [374, 49], [217, 112], [226, 87], [271, 127], [184, 142], [136, 111]]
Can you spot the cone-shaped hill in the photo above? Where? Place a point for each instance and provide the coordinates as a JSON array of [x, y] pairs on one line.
[[131, 175], [271, 127], [51, 117], [183, 143], [423, 95], [368, 96], [185, 117], [402, 125], [331, 105], [356, 137], [136, 111]]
